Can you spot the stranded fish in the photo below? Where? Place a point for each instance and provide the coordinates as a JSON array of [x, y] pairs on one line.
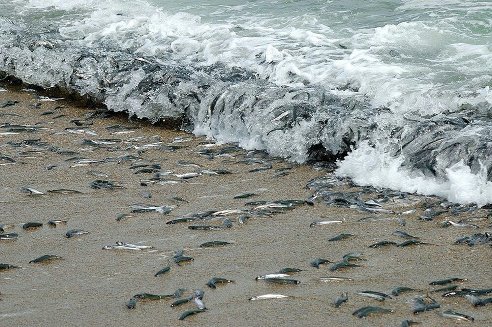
[[448, 281], [340, 300], [339, 237], [31, 191], [456, 315], [476, 301], [126, 246], [369, 310], [325, 222], [212, 283], [381, 244], [268, 297], [162, 271], [316, 262], [283, 281], [47, 258], [132, 303], [188, 313], [402, 289], [8, 236], [375, 295], [213, 244], [139, 208], [75, 232], [56, 222], [31, 225], [5, 266], [421, 304]]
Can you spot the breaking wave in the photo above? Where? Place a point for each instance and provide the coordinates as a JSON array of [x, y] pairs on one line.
[[399, 94]]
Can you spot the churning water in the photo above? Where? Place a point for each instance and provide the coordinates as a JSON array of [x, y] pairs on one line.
[[399, 92]]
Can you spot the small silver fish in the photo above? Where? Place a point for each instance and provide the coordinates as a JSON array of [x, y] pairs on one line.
[[268, 297], [126, 246], [375, 295], [325, 222], [456, 315], [31, 191]]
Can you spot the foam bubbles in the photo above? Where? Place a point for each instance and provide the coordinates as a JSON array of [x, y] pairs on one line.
[[369, 165]]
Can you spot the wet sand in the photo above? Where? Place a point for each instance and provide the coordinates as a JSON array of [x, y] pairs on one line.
[[91, 286]]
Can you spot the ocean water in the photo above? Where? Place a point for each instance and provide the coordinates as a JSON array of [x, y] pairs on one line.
[[399, 93]]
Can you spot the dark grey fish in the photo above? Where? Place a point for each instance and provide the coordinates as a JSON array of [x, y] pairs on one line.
[[213, 244], [402, 289], [103, 184], [404, 235], [181, 301], [340, 300], [289, 270], [339, 237], [430, 214], [283, 281], [375, 295], [475, 239], [6, 266], [212, 283], [381, 244], [188, 313], [47, 258], [8, 103], [32, 225], [8, 236], [412, 242], [123, 216], [476, 301], [466, 291], [146, 170], [445, 289], [456, 315], [342, 265], [132, 303], [244, 195], [353, 256], [408, 323], [75, 232], [316, 262], [206, 227], [420, 304], [484, 291], [64, 191], [56, 222], [181, 220], [163, 271], [6, 160], [179, 260], [152, 297], [370, 310], [448, 281]]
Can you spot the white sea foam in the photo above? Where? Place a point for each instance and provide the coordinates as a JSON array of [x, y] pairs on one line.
[[417, 61], [368, 165]]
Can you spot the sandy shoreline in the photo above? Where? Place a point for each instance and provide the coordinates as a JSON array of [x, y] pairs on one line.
[[91, 286]]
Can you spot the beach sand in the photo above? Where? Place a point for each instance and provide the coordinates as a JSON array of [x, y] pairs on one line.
[[91, 286]]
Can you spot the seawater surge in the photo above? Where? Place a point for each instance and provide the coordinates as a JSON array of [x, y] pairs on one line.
[[397, 92]]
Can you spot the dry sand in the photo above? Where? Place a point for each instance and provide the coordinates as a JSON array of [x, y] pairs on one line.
[[91, 286]]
